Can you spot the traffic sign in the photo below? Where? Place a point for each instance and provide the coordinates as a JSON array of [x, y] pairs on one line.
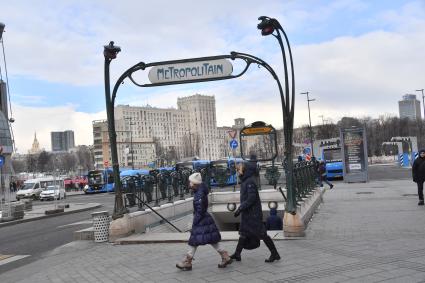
[[1, 161], [233, 144], [106, 163], [232, 133], [307, 150]]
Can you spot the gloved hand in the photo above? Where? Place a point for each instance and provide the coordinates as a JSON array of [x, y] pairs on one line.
[[237, 212]]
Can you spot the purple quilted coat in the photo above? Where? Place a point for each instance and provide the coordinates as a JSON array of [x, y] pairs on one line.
[[204, 231]]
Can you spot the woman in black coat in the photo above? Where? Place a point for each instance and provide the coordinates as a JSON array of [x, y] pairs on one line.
[[251, 225], [418, 174], [204, 231]]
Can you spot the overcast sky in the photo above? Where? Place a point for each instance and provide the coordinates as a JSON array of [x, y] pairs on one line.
[[354, 57]]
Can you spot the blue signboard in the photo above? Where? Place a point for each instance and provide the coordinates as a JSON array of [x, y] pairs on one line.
[[233, 144], [1, 161]]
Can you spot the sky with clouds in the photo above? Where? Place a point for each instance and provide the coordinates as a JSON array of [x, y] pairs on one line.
[[354, 57]]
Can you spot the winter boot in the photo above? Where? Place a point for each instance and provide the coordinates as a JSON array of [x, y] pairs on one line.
[[186, 264], [421, 202], [270, 245], [225, 259], [237, 254]]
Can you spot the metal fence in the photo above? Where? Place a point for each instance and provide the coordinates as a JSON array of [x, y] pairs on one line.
[[305, 178], [156, 188], [167, 186]]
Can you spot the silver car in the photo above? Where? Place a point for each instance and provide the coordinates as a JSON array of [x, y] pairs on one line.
[[52, 193]]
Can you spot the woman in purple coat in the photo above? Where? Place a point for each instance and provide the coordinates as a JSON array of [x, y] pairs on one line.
[[204, 231]]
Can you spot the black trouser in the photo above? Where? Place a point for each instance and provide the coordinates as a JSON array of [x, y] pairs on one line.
[[421, 190], [266, 239]]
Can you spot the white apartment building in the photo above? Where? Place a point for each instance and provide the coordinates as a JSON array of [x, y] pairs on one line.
[[166, 128], [159, 133]]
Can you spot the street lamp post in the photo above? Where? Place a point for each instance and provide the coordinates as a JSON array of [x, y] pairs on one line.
[[270, 26], [131, 142], [110, 52], [423, 99], [309, 120]]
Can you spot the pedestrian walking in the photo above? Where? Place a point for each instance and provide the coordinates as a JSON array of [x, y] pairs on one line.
[[322, 175], [251, 227], [204, 231], [274, 222], [418, 174]]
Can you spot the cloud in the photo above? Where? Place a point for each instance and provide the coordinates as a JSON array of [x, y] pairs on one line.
[[30, 120], [366, 74], [362, 68]]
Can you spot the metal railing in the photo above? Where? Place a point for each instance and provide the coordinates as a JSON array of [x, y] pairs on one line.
[[156, 188], [305, 179]]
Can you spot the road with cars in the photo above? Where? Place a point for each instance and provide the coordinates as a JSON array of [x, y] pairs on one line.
[[33, 239]]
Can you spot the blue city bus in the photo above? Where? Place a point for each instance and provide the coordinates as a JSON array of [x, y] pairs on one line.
[[197, 165], [333, 161], [228, 164], [100, 181]]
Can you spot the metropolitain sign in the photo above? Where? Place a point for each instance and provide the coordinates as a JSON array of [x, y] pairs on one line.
[[190, 71]]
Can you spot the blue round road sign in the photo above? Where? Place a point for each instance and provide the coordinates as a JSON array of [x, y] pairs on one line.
[[233, 144], [1, 161], [307, 150]]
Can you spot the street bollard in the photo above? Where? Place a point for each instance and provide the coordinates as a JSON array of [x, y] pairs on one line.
[[101, 226]]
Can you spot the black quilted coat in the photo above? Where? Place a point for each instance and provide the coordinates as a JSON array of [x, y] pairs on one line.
[[251, 212]]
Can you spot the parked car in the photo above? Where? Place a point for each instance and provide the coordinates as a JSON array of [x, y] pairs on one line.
[[32, 188], [52, 193]]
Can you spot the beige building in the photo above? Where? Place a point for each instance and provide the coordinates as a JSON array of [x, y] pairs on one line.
[[202, 124], [170, 134], [143, 149]]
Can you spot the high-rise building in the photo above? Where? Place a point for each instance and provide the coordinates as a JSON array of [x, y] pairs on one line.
[[165, 134], [62, 141], [202, 124], [409, 107], [35, 148]]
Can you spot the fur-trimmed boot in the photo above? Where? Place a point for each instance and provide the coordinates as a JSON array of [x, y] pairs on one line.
[[225, 259], [186, 264]]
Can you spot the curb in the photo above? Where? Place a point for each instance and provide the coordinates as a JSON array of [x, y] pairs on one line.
[[10, 223]]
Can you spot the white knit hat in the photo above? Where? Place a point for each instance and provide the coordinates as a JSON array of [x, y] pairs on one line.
[[195, 178]]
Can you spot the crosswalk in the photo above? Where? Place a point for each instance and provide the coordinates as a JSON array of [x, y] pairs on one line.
[[5, 259]]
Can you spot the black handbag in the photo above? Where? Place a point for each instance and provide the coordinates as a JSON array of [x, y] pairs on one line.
[[251, 243]]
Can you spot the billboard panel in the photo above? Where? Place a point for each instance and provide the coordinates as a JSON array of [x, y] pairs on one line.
[[354, 152]]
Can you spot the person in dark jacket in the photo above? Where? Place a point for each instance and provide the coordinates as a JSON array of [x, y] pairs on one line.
[[418, 174], [274, 222], [322, 175], [204, 231], [251, 225]]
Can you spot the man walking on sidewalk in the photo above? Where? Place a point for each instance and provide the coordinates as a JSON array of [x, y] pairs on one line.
[[322, 175], [418, 174]]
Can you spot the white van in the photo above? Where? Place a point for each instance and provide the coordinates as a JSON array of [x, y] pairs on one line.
[[33, 187]]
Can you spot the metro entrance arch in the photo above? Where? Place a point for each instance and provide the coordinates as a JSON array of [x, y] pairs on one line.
[[207, 69]]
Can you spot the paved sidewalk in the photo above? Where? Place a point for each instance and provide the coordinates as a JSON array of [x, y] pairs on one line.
[[38, 212], [370, 232]]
